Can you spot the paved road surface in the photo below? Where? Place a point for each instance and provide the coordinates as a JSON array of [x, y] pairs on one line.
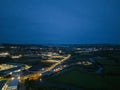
[[2, 83]]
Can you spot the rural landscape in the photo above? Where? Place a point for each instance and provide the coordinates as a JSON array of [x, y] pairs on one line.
[[60, 67]]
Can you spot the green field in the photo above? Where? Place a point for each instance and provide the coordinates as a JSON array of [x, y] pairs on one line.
[[110, 66], [106, 61], [109, 79], [86, 80]]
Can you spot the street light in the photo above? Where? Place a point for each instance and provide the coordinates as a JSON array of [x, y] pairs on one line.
[[40, 80], [19, 77], [40, 74], [12, 78], [10, 73]]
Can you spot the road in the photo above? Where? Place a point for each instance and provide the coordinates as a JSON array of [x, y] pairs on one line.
[[100, 67], [50, 68], [60, 62], [2, 83], [36, 75]]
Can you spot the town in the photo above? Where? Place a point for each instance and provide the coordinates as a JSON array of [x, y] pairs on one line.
[[48, 67]]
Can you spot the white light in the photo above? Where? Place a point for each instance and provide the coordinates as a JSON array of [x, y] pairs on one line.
[[43, 69], [12, 78], [10, 73], [19, 70], [40, 74], [19, 77], [40, 80]]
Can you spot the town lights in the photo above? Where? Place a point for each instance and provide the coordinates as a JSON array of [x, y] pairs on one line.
[[40, 80], [12, 78], [19, 77], [40, 74]]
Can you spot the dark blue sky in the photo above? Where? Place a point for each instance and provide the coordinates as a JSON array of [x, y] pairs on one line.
[[60, 21]]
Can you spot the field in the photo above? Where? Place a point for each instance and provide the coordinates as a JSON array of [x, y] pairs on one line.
[[109, 79], [87, 80], [110, 66]]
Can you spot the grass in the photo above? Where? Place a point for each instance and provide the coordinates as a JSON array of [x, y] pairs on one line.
[[32, 85], [110, 65], [113, 82], [112, 69], [3, 79], [105, 61], [86, 80], [80, 79]]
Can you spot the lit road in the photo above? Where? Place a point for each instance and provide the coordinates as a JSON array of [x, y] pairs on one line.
[[60, 62], [36, 75]]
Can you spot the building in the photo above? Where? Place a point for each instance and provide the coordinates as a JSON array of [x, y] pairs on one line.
[[4, 54], [13, 85]]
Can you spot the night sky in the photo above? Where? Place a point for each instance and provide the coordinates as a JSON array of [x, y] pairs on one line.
[[60, 21]]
